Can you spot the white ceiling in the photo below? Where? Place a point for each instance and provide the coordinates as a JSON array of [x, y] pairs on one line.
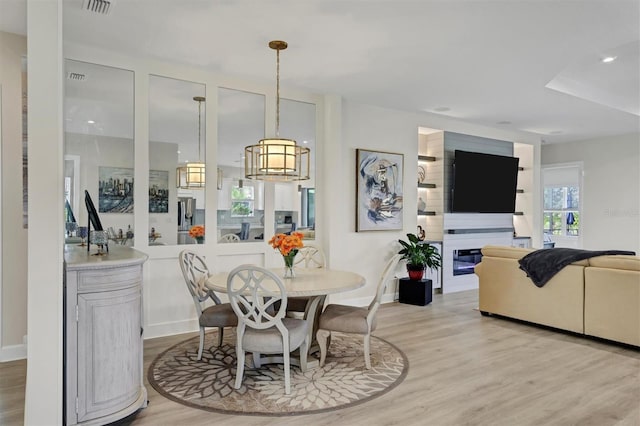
[[529, 65]]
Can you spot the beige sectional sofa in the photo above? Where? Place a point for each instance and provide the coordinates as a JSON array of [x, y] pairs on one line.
[[597, 297]]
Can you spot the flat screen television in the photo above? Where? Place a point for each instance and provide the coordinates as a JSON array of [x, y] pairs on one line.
[[484, 183]]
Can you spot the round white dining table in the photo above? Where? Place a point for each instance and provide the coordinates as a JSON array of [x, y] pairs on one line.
[[307, 282], [314, 283]]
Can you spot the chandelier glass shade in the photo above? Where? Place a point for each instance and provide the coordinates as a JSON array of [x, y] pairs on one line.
[[192, 176], [276, 159]]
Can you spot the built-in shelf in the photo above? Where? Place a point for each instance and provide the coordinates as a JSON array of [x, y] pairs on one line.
[[519, 191], [518, 213], [520, 169], [426, 185], [426, 158], [426, 213], [478, 230]]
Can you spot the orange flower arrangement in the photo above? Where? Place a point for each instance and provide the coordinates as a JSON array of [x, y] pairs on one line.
[[196, 231], [285, 244]]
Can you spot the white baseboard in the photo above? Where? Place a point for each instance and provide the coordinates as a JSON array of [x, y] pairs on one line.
[[170, 328], [13, 352]]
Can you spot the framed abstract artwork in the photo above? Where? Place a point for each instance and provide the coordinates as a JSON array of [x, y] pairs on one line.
[[378, 190]]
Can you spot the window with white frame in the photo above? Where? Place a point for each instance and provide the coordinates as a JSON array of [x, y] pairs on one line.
[[561, 200]]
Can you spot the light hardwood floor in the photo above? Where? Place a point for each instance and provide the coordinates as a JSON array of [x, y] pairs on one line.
[[464, 369]]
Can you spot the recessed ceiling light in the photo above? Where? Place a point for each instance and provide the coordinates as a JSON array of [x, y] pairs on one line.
[[442, 109], [609, 59], [503, 122], [305, 141], [91, 122], [178, 151]]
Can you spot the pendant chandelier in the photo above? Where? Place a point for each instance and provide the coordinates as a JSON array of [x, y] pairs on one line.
[[276, 159], [192, 176]]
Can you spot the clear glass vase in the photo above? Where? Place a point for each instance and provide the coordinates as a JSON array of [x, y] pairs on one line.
[[289, 272]]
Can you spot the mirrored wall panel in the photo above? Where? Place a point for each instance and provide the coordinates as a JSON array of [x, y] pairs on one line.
[[240, 201], [99, 150], [295, 202], [176, 161]]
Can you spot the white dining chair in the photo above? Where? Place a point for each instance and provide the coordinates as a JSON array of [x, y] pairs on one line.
[[195, 272], [352, 319], [229, 238], [259, 299], [309, 256]]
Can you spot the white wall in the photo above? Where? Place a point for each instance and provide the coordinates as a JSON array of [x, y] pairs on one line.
[[611, 189], [13, 297]]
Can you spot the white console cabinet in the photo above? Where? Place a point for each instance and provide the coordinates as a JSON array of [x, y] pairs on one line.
[[103, 367]]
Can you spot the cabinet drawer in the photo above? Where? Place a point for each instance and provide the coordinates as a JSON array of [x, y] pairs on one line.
[[109, 279]]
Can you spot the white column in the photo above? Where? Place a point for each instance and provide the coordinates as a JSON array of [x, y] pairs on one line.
[[333, 190], [43, 396]]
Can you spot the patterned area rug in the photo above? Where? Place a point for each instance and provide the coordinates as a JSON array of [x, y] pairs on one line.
[[342, 382]]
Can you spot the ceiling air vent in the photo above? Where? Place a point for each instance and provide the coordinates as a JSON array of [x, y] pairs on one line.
[[76, 76], [102, 7]]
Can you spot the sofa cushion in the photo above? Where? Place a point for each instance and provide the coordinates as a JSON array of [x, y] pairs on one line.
[[629, 263], [612, 303], [505, 252]]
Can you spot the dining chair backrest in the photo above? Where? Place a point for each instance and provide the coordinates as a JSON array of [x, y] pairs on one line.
[[310, 256], [257, 296], [387, 273], [195, 272], [229, 238]]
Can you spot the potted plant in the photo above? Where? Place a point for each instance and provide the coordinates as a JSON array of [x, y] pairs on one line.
[[419, 255]]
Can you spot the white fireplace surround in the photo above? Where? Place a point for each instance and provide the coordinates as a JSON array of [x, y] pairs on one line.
[[468, 231]]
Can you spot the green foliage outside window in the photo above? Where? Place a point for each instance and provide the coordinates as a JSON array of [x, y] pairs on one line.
[[561, 215], [241, 208]]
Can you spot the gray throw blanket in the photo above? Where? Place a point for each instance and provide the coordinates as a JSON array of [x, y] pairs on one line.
[[542, 265]]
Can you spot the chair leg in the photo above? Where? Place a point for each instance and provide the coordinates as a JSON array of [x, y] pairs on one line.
[[256, 360], [220, 335], [201, 347], [367, 348], [239, 362], [304, 354], [287, 371], [321, 337], [287, 363]]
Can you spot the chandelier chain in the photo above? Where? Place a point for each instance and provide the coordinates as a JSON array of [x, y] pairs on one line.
[[199, 128], [277, 93]]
